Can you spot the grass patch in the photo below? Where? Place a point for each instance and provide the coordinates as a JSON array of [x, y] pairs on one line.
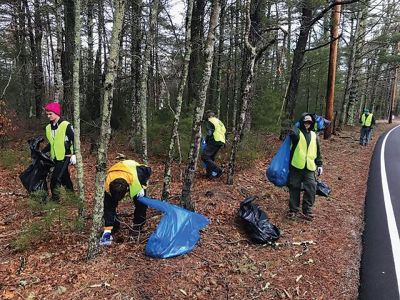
[[11, 158], [50, 215]]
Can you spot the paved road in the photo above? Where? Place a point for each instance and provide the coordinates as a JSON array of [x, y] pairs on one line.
[[380, 262]]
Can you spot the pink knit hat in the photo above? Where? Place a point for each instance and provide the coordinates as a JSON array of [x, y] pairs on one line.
[[55, 107]]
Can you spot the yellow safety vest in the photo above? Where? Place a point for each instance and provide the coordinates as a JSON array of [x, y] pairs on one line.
[[126, 170], [304, 156], [57, 143], [219, 129], [366, 121]]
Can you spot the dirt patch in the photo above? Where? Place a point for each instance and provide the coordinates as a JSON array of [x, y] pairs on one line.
[[312, 260]]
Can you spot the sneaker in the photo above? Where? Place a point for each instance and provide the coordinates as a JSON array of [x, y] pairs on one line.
[[106, 239], [291, 215]]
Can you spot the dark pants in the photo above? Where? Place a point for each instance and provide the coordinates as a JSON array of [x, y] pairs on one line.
[[296, 177], [60, 177], [110, 212], [365, 135], [209, 157]]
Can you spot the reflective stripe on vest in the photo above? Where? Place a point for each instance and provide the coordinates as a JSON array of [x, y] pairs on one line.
[[219, 130], [124, 170], [366, 121], [303, 155], [57, 143]]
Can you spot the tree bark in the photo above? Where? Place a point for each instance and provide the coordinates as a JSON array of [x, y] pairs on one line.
[[57, 55], [186, 199], [77, 110], [67, 62], [251, 56], [143, 85], [330, 94], [105, 130], [178, 108]]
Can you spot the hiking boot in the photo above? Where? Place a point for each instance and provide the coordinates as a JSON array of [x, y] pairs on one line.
[[308, 216], [106, 239], [291, 215]]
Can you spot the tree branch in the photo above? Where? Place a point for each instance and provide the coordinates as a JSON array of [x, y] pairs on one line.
[[323, 45], [328, 8]]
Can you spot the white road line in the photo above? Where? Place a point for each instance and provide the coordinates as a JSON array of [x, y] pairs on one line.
[[391, 221]]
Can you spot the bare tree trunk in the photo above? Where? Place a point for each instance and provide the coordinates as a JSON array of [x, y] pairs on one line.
[[196, 59], [305, 26], [67, 62], [253, 54], [90, 101], [145, 72], [105, 130], [57, 56], [186, 200], [136, 10], [178, 108], [350, 71], [35, 37], [77, 110]]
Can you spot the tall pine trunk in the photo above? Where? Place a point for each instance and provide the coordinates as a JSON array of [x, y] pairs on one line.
[[186, 199], [105, 130], [145, 73], [178, 108]]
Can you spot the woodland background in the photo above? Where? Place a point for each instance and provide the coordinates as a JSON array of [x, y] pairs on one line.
[[145, 71]]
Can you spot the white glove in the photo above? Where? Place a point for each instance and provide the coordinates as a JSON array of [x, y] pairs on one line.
[[320, 171], [72, 159], [141, 193]]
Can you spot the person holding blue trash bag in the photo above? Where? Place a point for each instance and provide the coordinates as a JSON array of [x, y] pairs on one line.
[[305, 159], [215, 139], [124, 176]]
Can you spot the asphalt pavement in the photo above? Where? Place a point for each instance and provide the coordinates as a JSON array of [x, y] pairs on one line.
[[380, 261]]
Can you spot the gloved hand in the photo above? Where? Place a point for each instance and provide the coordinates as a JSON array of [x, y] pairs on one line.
[[72, 159], [319, 171], [141, 193], [106, 238]]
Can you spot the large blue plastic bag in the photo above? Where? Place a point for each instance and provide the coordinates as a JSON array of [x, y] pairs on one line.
[[178, 230], [278, 170]]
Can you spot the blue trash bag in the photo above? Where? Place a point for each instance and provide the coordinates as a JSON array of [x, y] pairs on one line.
[[320, 123], [278, 170], [178, 230], [203, 145]]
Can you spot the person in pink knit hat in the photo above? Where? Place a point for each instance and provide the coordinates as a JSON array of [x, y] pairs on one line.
[[60, 135]]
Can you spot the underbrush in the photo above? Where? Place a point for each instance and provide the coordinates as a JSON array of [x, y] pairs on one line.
[[48, 216]]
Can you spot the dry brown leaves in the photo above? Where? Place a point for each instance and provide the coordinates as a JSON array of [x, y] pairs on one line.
[[312, 260]]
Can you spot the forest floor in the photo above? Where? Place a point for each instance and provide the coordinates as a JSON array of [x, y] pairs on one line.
[[311, 260]]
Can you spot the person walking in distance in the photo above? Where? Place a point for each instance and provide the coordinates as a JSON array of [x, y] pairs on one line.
[[215, 139], [367, 121]]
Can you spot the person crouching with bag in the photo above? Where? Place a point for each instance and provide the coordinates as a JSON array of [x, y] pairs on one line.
[[124, 176]]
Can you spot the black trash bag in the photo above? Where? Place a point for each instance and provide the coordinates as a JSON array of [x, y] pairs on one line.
[[256, 222], [34, 177], [323, 189]]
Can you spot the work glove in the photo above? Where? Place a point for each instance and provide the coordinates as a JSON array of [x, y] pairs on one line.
[[106, 238], [319, 171], [72, 159], [141, 193]]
